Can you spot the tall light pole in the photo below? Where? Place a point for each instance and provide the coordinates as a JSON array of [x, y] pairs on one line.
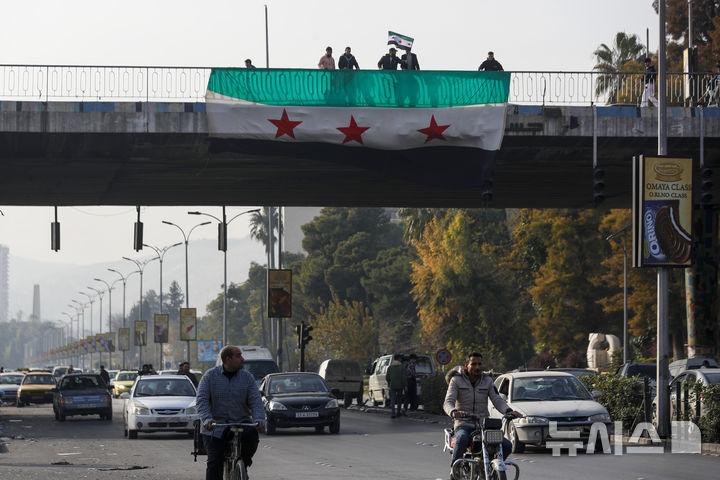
[[222, 245], [141, 267], [81, 306], [186, 239], [100, 294], [69, 337], [161, 256], [626, 337], [91, 301], [123, 278]]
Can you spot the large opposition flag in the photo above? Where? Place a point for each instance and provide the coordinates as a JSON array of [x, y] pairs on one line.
[[417, 117], [401, 41]]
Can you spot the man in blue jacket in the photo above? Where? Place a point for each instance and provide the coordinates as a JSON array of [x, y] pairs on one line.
[[229, 394]]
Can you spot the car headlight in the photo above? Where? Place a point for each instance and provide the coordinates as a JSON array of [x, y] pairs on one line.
[[332, 404], [191, 410], [276, 405], [141, 409], [599, 417], [529, 420]]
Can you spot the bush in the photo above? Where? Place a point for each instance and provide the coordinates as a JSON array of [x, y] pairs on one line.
[[709, 423], [621, 396], [432, 392]]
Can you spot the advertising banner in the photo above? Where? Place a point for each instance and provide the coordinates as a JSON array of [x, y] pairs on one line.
[[280, 293], [161, 327], [100, 344], [188, 324], [140, 333], [110, 341], [208, 350], [124, 339], [662, 212], [90, 341]]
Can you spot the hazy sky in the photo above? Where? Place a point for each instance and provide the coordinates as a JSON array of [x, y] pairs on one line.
[[546, 35]]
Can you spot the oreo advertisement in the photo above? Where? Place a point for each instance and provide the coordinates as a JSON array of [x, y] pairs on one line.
[[663, 212]]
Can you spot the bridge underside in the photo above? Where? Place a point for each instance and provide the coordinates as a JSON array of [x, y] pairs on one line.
[[157, 169]]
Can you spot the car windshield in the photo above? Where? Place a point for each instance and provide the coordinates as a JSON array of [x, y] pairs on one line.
[[11, 379], [260, 368], [713, 378], [38, 380], [125, 376], [297, 384], [158, 387], [423, 365], [526, 389], [642, 370], [80, 382]]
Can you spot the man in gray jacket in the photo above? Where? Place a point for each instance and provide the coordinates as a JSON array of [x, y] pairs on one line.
[[468, 392]]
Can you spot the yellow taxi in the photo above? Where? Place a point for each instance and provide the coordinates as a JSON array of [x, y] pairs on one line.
[[123, 382], [35, 387]]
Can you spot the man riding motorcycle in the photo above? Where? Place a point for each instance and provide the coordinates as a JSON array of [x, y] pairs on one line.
[[468, 392]]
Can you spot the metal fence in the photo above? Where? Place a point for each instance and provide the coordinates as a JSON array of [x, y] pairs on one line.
[[188, 84]]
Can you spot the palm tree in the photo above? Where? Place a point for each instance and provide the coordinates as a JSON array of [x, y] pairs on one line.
[[259, 226], [625, 48]]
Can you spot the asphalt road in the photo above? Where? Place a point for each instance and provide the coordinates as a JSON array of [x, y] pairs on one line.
[[370, 445]]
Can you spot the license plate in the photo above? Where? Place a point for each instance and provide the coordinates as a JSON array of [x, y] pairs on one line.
[[307, 414], [86, 405]]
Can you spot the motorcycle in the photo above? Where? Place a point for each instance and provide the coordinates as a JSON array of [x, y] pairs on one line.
[[483, 458]]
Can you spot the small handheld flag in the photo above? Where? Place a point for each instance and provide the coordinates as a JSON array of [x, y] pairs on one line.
[[401, 41]]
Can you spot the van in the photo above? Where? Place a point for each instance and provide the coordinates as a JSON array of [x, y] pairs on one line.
[[345, 376], [689, 364], [258, 361], [378, 390]]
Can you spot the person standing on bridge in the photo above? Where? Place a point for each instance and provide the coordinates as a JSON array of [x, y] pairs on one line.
[[389, 61], [327, 62], [347, 61], [248, 64], [490, 64], [649, 81]]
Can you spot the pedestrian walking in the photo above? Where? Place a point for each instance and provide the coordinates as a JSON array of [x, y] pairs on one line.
[[389, 61], [490, 64], [649, 81], [411, 400], [347, 61], [185, 370], [397, 383], [413, 65], [248, 63], [104, 375], [327, 62]]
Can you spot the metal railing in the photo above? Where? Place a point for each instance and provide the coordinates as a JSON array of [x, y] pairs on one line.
[[188, 84]]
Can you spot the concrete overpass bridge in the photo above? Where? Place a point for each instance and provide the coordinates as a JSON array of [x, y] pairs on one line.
[[146, 142]]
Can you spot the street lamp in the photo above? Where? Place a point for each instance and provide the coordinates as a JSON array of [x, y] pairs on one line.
[[222, 245], [161, 255], [626, 345], [186, 238], [100, 294], [141, 267], [81, 306], [123, 278], [91, 300]]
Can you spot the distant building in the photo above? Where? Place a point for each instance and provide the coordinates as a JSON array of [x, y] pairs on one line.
[[4, 284]]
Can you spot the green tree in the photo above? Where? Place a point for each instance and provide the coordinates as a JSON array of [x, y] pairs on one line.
[[613, 59], [259, 226]]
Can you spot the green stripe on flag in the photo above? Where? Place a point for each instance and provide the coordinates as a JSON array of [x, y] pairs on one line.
[[363, 88]]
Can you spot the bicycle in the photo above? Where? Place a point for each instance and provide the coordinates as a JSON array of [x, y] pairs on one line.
[[234, 467], [483, 458]]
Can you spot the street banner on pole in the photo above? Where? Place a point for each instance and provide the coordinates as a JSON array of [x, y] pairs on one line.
[[90, 340], [280, 293], [188, 324], [161, 327], [140, 333], [662, 211], [100, 344], [124, 339], [208, 350], [110, 341]]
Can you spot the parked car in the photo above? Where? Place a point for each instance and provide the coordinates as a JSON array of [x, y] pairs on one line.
[[684, 380], [346, 376], [82, 394], [10, 384], [543, 397], [160, 403], [378, 390], [35, 387], [299, 399], [644, 370], [257, 360], [690, 364], [123, 382]]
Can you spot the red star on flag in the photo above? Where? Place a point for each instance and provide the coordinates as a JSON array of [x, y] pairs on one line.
[[284, 126], [353, 132], [434, 130]]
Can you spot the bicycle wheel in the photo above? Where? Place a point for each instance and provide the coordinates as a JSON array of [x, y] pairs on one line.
[[239, 472], [498, 475]]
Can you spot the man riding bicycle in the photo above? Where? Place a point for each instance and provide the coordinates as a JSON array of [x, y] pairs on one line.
[[468, 392], [229, 394]]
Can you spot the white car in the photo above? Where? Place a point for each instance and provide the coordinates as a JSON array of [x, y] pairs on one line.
[[545, 396], [160, 404], [9, 384]]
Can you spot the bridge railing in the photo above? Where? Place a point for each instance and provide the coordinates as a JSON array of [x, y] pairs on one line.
[[188, 84]]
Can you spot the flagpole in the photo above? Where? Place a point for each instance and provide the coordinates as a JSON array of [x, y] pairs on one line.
[[267, 45]]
